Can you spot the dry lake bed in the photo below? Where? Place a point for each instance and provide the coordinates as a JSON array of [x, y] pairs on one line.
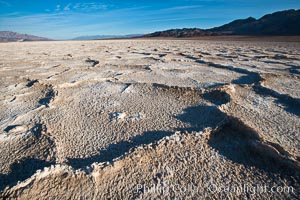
[[150, 119]]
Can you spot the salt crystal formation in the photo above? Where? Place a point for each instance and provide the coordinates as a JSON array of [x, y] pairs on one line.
[[149, 119]]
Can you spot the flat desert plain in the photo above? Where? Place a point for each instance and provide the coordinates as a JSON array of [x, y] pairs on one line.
[[150, 119]]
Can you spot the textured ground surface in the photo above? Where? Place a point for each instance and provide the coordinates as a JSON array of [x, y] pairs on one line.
[[142, 119]]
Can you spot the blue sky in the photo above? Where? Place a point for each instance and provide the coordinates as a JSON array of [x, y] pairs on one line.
[[68, 19]]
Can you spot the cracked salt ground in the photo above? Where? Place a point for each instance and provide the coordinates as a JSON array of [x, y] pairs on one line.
[[137, 116], [124, 116], [107, 118], [15, 129], [117, 115]]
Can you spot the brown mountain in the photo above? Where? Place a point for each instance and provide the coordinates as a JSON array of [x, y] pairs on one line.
[[9, 36], [279, 23], [185, 32]]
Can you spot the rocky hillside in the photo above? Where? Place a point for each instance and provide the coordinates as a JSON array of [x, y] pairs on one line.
[[9, 36], [278, 23]]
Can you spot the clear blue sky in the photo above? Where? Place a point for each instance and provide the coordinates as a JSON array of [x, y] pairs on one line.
[[67, 19]]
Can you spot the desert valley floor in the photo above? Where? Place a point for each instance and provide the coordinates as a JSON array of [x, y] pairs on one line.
[[149, 119]]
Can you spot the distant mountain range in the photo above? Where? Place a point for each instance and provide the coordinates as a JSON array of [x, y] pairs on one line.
[[98, 37], [283, 23], [9, 36]]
